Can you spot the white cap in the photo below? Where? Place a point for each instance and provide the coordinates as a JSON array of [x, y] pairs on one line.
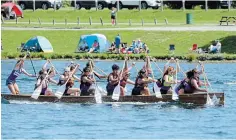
[[67, 69]]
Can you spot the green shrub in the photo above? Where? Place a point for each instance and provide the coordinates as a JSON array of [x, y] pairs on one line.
[[56, 56], [78, 56], [67, 56], [191, 57], [12, 56]]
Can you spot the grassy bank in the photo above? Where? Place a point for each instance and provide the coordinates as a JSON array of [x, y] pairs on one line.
[[173, 16], [158, 42], [105, 56]]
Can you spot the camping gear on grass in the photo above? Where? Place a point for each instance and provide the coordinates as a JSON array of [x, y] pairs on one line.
[[38, 44], [104, 44], [11, 11]]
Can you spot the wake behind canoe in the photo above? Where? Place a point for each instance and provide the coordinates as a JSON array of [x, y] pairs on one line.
[[197, 99]]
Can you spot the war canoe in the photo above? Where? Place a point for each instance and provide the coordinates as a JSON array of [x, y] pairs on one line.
[[197, 99]]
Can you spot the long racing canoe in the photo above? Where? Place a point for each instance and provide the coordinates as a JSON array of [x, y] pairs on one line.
[[197, 98]]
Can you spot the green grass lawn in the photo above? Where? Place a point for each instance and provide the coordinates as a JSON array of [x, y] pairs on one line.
[[158, 42], [173, 16]]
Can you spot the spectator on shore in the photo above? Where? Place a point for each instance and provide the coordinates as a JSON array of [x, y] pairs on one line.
[[112, 48], [83, 46], [118, 42], [215, 47], [145, 48], [139, 44], [95, 47], [113, 16]]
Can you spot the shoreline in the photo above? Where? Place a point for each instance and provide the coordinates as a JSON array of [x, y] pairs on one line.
[[140, 60]]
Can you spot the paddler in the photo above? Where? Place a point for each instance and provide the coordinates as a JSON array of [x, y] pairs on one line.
[[68, 76], [45, 70], [191, 83], [86, 86], [44, 78], [113, 79], [125, 77], [18, 69], [168, 78], [72, 68], [125, 80], [141, 83]]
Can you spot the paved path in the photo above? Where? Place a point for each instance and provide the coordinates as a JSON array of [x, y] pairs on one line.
[[161, 28]]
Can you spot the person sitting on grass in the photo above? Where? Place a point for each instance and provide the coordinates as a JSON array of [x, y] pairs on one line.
[[95, 47], [132, 46], [145, 48], [112, 48], [215, 47], [83, 46]]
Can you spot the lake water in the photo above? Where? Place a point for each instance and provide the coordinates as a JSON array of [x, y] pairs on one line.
[[33, 120]]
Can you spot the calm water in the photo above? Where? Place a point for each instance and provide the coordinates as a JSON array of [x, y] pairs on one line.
[[58, 120]]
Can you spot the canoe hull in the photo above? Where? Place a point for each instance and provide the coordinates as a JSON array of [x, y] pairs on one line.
[[198, 99]]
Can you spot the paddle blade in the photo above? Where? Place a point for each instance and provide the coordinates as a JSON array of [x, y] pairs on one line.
[[37, 92], [116, 93], [209, 101], [60, 91], [98, 96], [215, 100], [157, 91], [102, 91], [175, 95]]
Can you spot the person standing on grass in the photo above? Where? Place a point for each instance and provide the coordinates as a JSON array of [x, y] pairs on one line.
[[117, 42], [113, 16]]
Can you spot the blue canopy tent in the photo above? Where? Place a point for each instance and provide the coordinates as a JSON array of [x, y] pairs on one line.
[[38, 44], [104, 44]]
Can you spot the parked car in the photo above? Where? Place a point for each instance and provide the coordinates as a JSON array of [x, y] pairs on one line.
[[43, 4], [155, 4], [191, 4], [224, 4], [88, 4]]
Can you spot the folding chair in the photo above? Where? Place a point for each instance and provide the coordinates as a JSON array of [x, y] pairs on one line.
[[172, 49], [195, 48]]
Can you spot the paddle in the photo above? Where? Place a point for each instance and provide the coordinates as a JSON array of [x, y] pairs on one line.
[[38, 90], [60, 91], [101, 70], [158, 67], [116, 92], [209, 101], [32, 63], [155, 87], [100, 89], [98, 96], [54, 67], [175, 95], [215, 100], [72, 63]]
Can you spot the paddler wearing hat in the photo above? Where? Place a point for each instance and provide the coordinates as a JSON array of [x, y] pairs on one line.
[[68, 75]]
